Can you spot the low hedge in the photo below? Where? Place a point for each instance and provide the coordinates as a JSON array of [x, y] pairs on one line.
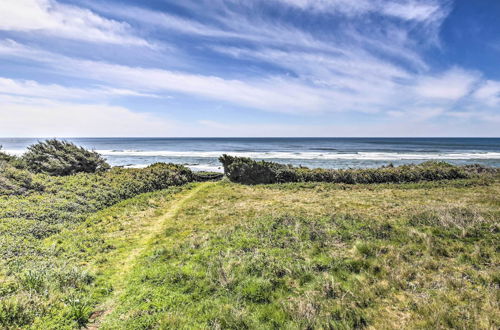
[[249, 171]]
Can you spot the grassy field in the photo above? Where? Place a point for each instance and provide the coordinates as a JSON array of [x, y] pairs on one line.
[[301, 255]]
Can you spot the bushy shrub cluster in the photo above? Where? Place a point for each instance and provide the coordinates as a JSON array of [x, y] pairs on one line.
[[14, 181], [59, 158], [72, 198], [248, 171]]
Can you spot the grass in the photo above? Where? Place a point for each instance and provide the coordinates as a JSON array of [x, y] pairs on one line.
[[297, 255], [84, 265], [392, 256]]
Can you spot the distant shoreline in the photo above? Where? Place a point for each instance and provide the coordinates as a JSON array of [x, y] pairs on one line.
[[201, 154]]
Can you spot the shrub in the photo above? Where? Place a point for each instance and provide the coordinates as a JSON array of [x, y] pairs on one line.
[[15, 181], [71, 199], [60, 158], [5, 157], [248, 171], [203, 176]]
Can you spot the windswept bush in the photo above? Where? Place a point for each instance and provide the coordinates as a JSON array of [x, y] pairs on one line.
[[248, 171], [61, 158]]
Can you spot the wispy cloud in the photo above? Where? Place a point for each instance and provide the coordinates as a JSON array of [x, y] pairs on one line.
[[450, 85], [322, 83], [272, 94], [31, 88], [409, 10], [317, 57], [489, 93], [52, 18]]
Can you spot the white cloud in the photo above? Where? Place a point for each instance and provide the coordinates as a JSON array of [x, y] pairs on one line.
[[484, 116], [32, 88], [489, 93], [397, 127], [409, 10], [38, 117], [414, 10], [322, 82], [451, 85], [357, 81], [272, 94], [61, 20]]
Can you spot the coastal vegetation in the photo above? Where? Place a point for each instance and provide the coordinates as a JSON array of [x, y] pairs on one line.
[[57, 157], [37, 202], [396, 247], [249, 171]]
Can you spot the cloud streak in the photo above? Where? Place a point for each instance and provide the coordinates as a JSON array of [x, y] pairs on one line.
[[51, 18], [409, 10]]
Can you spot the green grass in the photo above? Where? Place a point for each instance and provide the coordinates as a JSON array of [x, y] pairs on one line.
[[390, 256], [298, 255]]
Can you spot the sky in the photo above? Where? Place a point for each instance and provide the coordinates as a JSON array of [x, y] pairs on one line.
[[223, 68]]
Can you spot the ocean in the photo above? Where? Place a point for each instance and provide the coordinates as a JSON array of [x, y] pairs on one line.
[[202, 153]]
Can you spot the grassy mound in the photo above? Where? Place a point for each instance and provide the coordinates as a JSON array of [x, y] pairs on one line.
[[248, 171]]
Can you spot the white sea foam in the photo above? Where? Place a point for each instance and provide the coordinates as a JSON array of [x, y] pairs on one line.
[[306, 155], [136, 165], [17, 152], [196, 167], [206, 167]]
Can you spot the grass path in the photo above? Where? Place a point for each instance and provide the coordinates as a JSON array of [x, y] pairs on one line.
[[125, 264]]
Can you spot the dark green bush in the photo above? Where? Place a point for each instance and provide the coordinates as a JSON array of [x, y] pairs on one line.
[[248, 171], [203, 176], [60, 158]]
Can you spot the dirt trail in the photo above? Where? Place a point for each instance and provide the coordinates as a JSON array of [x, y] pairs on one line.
[[126, 265]]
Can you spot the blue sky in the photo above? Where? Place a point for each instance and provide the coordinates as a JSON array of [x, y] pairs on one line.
[[250, 68]]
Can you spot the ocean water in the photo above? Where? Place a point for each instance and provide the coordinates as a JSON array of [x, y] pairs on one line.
[[202, 153]]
